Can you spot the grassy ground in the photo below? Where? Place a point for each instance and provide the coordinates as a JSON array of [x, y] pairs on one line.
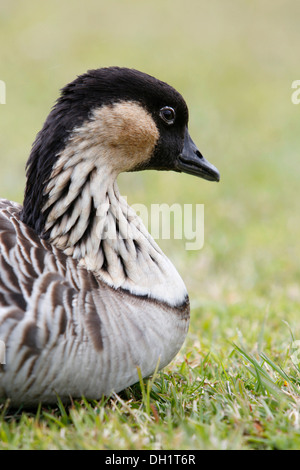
[[233, 385]]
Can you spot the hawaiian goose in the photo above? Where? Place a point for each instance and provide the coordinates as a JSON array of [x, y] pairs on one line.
[[86, 295]]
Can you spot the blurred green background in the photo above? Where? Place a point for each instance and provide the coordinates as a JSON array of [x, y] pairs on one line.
[[234, 62]]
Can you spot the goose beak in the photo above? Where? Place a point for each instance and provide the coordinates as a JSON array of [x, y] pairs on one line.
[[192, 162]]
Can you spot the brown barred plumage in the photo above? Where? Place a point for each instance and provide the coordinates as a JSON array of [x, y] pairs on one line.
[[66, 332]]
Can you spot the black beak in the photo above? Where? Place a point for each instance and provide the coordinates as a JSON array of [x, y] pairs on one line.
[[192, 162]]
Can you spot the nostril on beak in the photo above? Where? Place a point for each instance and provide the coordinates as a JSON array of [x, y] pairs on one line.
[[199, 154]]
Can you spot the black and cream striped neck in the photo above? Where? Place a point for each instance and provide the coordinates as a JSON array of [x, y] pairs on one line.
[[108, 238], [88, 219]]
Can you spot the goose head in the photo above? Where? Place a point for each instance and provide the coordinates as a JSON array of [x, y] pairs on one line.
[[117, 119]]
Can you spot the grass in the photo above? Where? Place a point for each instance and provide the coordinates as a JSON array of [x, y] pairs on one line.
[[234, 384], [205, 401]]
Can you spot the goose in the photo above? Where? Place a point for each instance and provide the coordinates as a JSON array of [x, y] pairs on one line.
[[87, 297]]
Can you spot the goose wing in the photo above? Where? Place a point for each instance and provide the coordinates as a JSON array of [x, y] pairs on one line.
[[41, 294]]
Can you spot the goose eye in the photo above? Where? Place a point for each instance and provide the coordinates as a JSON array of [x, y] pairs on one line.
[[167, 114]]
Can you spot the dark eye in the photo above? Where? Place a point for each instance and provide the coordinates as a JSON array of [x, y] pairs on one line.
[[167, 114]]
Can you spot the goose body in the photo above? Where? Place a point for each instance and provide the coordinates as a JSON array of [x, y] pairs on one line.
[[86, 295]]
